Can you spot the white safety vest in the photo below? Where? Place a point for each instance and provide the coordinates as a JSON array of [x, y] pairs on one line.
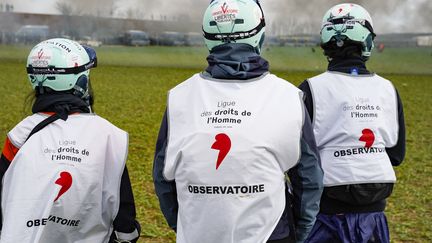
[[229, 144], [355, 119], [63, 184]]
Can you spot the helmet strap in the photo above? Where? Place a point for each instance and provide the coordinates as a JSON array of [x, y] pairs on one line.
[[81, 88], [233, 36], [40, 85], [54, 70], [261, 42]]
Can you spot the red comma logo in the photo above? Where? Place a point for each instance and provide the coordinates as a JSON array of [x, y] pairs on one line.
[[40, 53], [224, 8], [65, 181], [223, 144], [368, 137]]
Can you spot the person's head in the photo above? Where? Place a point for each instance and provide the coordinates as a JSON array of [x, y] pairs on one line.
[[234, 21], [347, 29], [61, 65]]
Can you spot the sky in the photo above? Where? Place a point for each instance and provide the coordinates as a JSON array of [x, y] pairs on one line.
[[283, 16]]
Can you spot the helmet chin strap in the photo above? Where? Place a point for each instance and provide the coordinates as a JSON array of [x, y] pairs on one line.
[[80, 92], [261, 42], [81, 89], [40, 84]]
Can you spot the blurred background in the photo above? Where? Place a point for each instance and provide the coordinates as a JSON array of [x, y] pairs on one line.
[[398, 23]]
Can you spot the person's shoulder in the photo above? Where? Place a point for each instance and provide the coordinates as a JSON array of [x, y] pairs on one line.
[[186, 83], [383, 82], [20, 132], [31, 121], [378, 77], [282, 83], [321, 76], [101, 122]]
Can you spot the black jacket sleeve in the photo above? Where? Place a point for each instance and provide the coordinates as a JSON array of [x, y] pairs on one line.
[[126, 227], [165, 190], [307, 183], [307, 98], [397, 153]]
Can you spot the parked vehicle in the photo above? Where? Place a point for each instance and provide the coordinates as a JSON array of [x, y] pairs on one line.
[[170, 38], [272, 41], [30, 34], [7, 37], [88, 41], [136, 38], [194, 39]]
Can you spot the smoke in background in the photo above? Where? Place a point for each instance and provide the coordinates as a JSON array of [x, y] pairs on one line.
[[283, 16], [396, 16]]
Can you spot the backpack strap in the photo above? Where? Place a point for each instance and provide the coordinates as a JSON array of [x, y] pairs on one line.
[[43, 124], [63, 114]]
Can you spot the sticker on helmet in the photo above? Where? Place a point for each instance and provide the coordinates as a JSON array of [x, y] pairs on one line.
[[342, 10], [225, 13], [40, 57], [74, 61]]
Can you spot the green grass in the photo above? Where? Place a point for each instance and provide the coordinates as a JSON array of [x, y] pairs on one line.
[[392, 60], [131, 86]]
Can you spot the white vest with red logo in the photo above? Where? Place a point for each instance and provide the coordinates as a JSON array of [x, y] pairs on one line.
[[63, 184], [355, 119], [229, 144]]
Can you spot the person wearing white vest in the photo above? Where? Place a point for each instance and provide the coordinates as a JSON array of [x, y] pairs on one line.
[[63, 171], [230, 138], [358, 122]]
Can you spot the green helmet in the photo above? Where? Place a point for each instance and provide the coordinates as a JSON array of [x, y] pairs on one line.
[[237, 21], [348, 22], [61, 64]]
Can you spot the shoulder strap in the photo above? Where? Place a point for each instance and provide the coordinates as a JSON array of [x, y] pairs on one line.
[[43, 124], [63, 114]]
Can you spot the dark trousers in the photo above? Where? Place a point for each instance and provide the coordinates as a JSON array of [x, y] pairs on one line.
[[285, 240]]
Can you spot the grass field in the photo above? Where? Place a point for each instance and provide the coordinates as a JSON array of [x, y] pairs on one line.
[[131, 86]]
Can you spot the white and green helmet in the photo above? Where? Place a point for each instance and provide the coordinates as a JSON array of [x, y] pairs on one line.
[[348, 22], [234, 21], [59, 64]]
